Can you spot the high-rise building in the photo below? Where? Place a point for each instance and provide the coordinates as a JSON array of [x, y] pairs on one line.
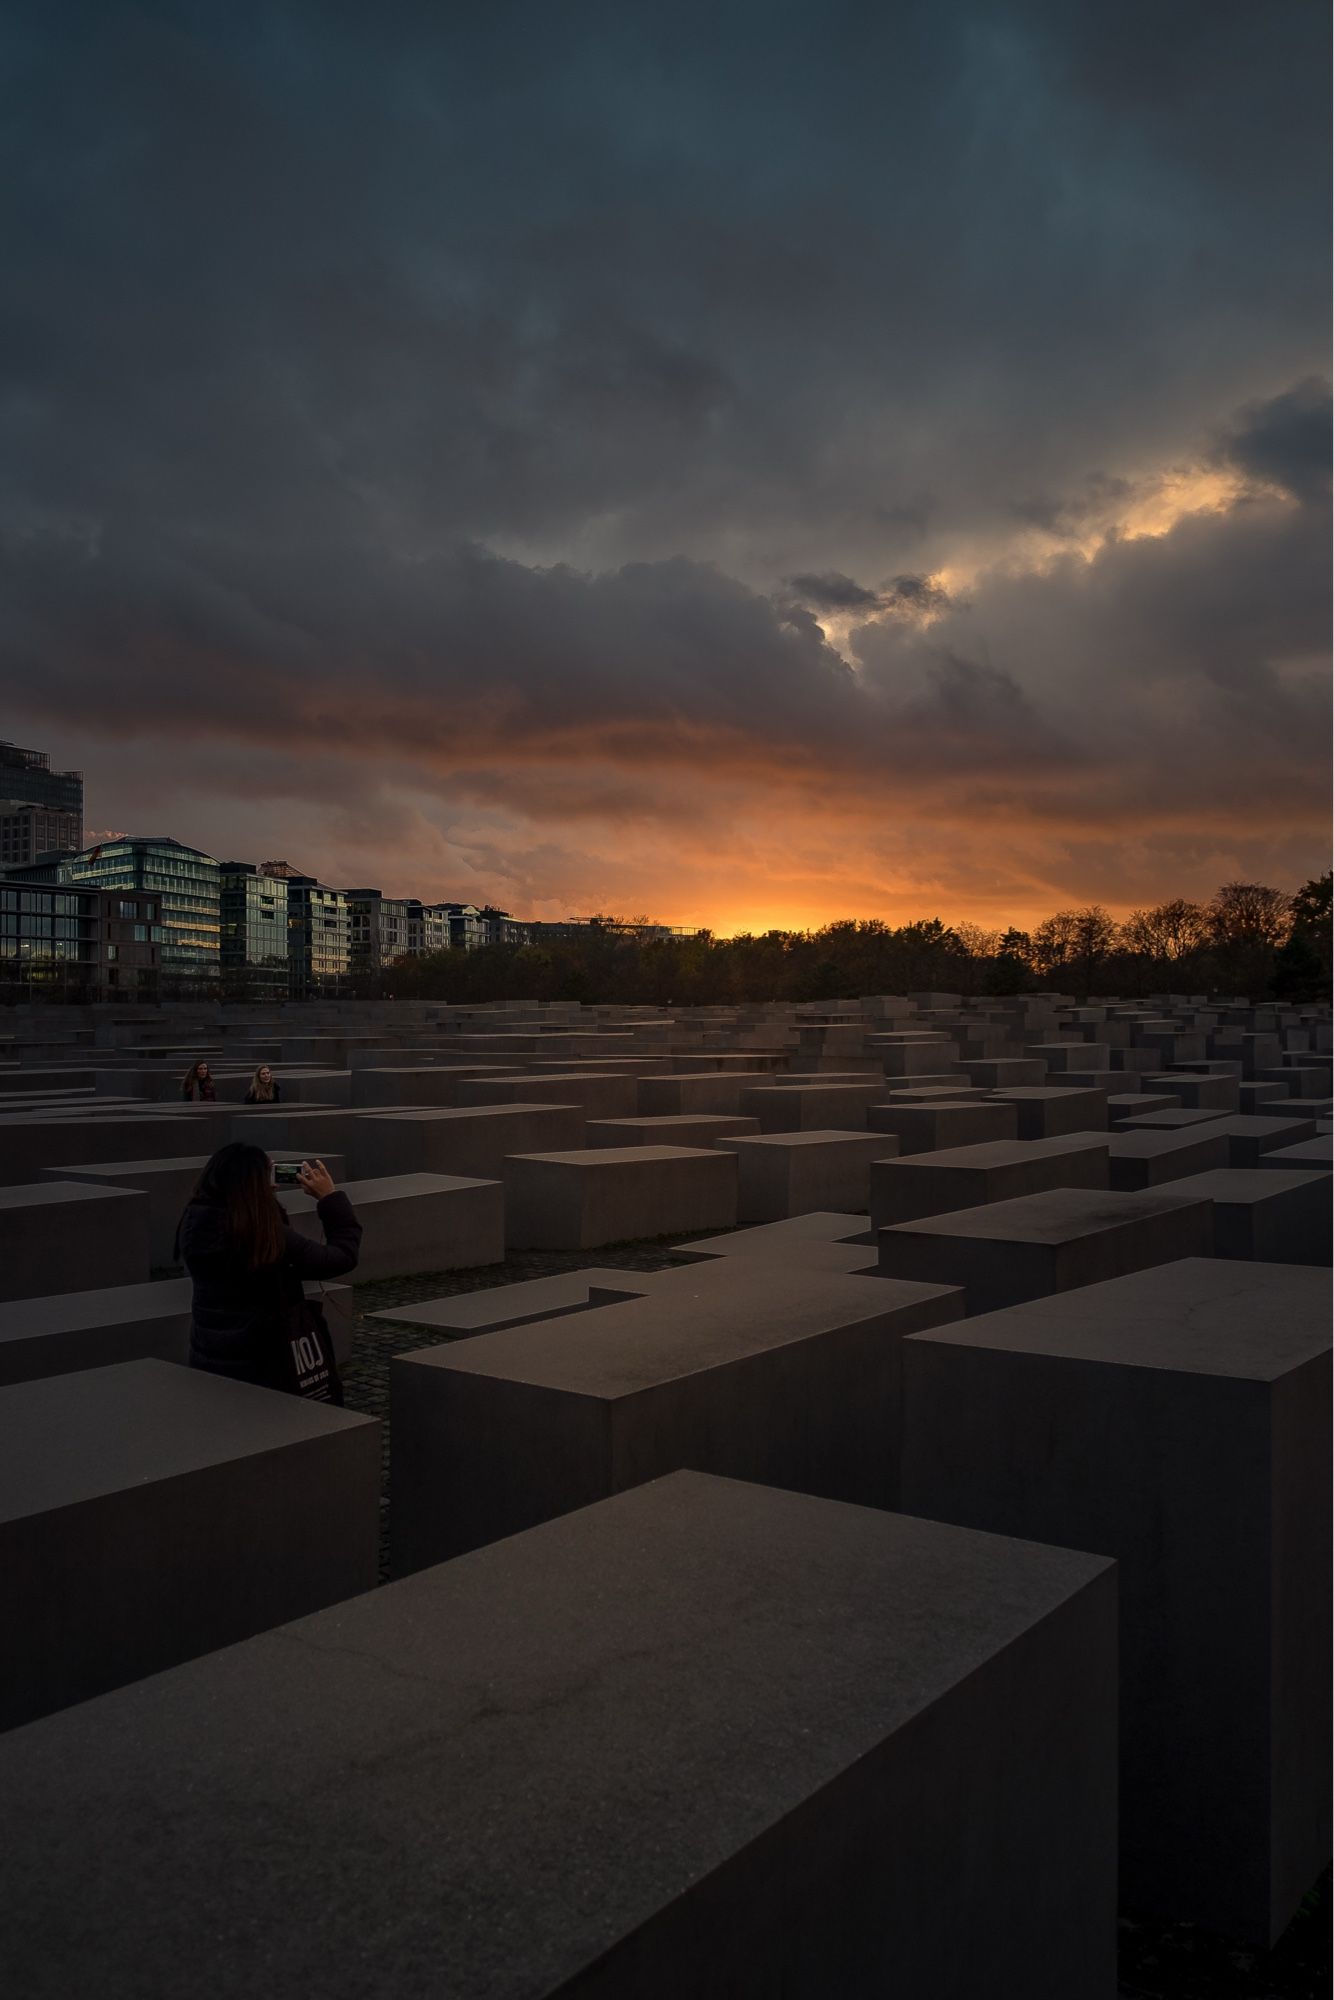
[[185, 885], [254, 939], [319, 932], [26, 777], [28, 831]]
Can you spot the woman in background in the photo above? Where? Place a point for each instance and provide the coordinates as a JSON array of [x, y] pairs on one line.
[[199, 1084], [264, 1087], [248, 1264]]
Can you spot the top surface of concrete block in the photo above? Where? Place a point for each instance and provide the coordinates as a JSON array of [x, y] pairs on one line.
[[991, 1153], [1059, 1215], [819, 1225], [54, 1194], [738, 1308], [440, 1787], [108, 1305], [1196, 1316], [69, 1438], [390, 1187], [600, 1159]]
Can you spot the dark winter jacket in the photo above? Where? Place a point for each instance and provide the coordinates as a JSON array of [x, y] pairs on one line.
[[277, 1097], [204, 1091], [239, 1316]]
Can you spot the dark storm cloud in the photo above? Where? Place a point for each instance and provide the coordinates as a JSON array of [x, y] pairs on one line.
[[1285, 442], [454, 387]]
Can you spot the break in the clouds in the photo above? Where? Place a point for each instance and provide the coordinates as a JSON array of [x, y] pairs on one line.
[[742, 464]]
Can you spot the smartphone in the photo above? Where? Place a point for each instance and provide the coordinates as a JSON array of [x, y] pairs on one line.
[[287, 1173]]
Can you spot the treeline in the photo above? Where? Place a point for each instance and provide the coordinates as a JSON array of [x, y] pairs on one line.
[[1249, 939]]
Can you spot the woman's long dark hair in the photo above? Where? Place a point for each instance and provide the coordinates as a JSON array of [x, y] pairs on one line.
[[191, 1083], [237, 1179]]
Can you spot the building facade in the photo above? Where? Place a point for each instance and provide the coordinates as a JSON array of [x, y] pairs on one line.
[[26, 778], [254, 939], [77, 943], [382, 928], [185, 885], [319, 933], [502, 928], [452, 927], [28, 832]]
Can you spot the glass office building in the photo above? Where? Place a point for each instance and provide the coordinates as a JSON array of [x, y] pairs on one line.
[[383, 928], [254, 934], [186, 886], [70, 943]]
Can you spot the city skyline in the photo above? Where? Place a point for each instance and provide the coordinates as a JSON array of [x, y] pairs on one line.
[[748, 470]]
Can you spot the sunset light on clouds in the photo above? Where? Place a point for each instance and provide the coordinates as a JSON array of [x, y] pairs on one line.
[[646, 463]]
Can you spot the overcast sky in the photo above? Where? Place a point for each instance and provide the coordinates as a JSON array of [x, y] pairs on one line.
[[739, 463]]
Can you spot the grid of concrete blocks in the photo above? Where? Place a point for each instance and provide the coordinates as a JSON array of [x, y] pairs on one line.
[[867, 1603]]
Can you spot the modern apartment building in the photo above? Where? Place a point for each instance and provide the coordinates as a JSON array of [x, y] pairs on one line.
[[452, 927], [78, 943], [319, 933], [254, 934], [382, 928], [502, 928], [26, 778], [185, 886]]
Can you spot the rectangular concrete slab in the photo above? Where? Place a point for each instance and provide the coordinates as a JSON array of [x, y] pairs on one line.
[[1177, 1420], [416, 1222], [475, 1141], [704, 1738], [502, 1306], [687, 1129], [608, 1194], [972, 1176], [1272, 1216], [1151, 1159], [91, 1329], [1050, 1112], [149, 1513], [933, 1127], [812, 1107], [58, 1235], [759, 1372], [1053, 1242], [782, 1174]]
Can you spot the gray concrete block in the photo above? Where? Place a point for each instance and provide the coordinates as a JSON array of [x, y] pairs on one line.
[[1053, 1242], [58, 1235], [91, 1329], [930, 1128], [30, 1145], [704, 1129], [502, 1306], [972, 1176], [702, 1091], [1175, 1419], [1051, 1113], [607, 1194], [782, 1174], [1199, 1093], [416, 1222], [764, 1373], [1152, 1159], [445, 1787], [599, 1095], [1309, 1155], [149, 1513], [1273, 1217], [1186, 1119], [812, 1107], [1249, 1136], [473, 1141]]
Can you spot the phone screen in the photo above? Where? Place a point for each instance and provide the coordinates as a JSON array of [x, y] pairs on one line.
[[287, 1173]]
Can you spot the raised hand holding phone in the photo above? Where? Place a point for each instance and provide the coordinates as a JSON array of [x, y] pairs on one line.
[[315, 1178]]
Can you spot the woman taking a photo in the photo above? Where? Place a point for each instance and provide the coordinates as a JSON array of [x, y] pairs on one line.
[[199, 1084], [264, 1087], [249, 1315]]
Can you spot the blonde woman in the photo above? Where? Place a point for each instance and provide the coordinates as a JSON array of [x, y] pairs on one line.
[[264, 1087]]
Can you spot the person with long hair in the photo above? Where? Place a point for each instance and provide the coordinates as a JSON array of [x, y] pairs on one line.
[[198, 1084], [248, 1265], [264, 1087]]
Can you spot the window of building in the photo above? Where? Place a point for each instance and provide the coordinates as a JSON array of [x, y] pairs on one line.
[[129, 909], [112, 951]]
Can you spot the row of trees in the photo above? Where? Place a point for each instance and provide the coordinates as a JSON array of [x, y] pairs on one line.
[[1249, 939]]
